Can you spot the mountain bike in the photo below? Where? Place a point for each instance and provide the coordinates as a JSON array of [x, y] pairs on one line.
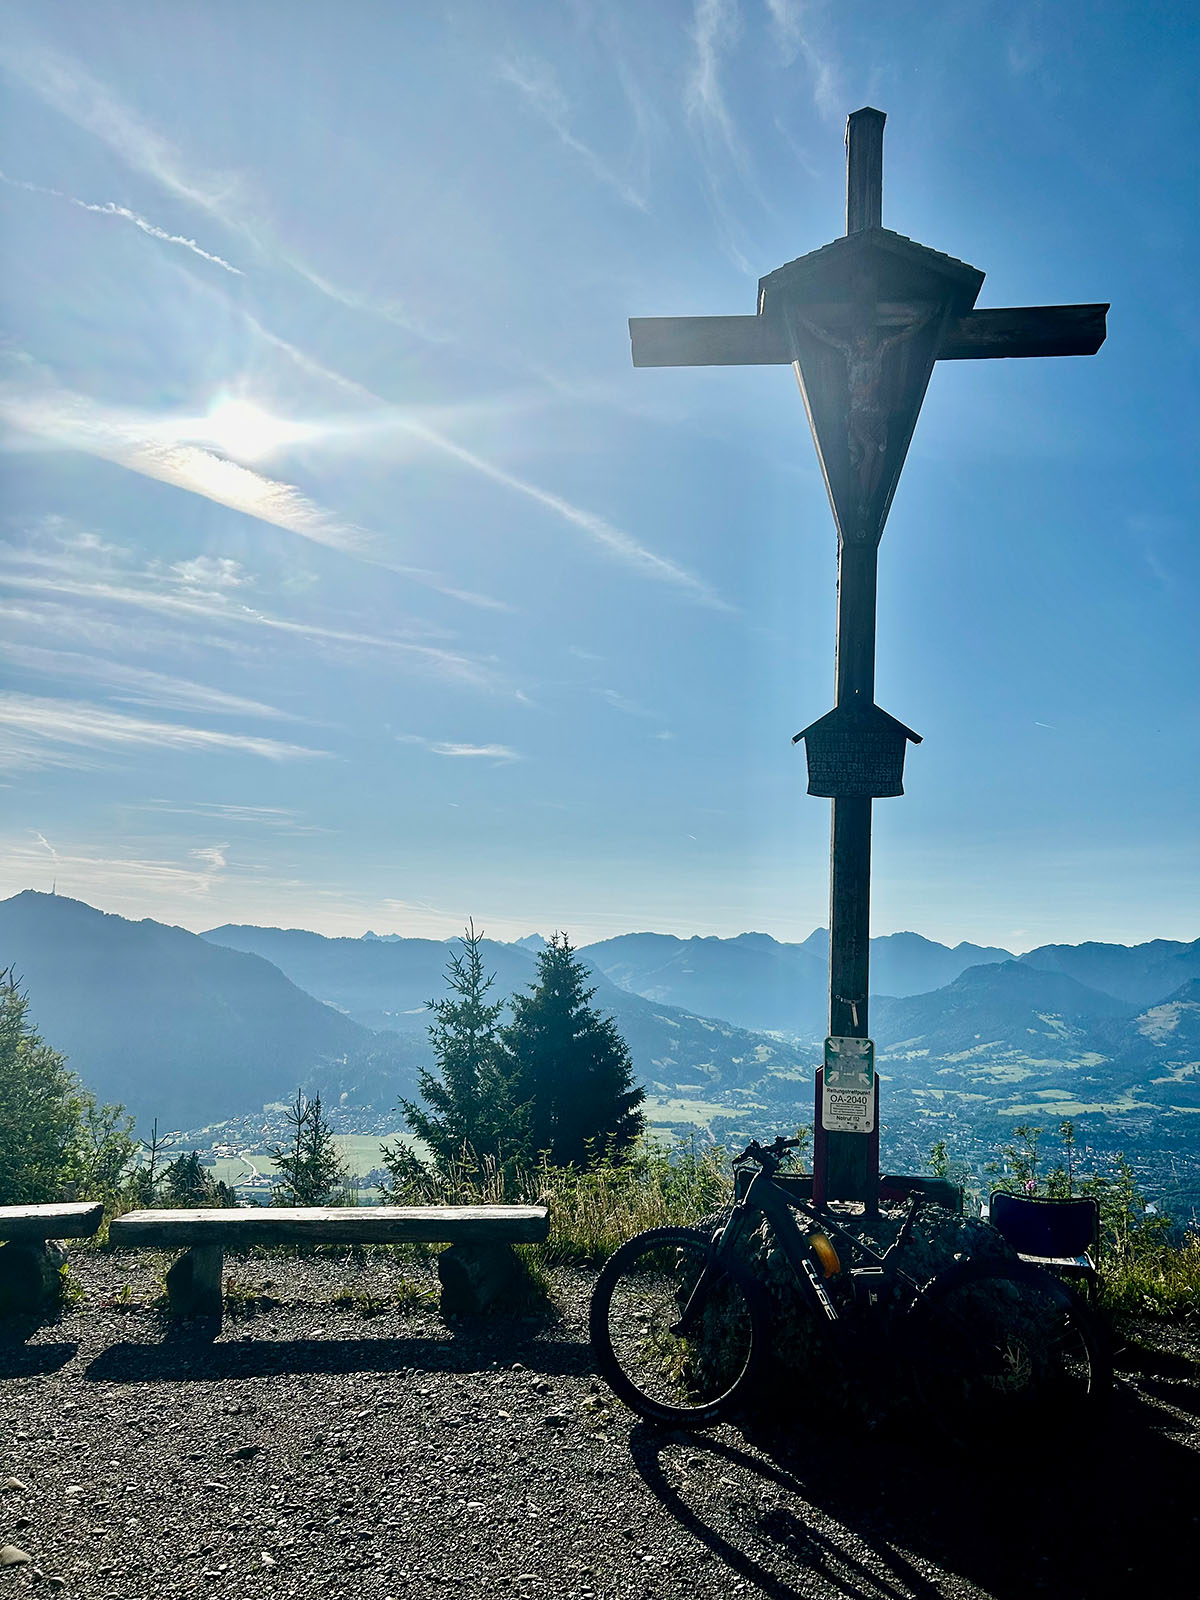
[[681, 1322]]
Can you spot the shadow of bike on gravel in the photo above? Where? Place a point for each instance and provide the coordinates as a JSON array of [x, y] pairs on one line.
[[803, 1514]]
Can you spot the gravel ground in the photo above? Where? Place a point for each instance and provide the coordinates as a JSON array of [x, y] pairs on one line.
[[308, 1449]]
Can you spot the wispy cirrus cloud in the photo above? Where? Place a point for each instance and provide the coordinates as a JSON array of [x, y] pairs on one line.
[[715, 26], [793, 37], [210, 572], [39, 618], [134, 685], [74, 92], [498, 754], [157, 447], [38, 732], [143, 444], [212, 855], [450, 665], [627, 707], [124, 883], [395, 311], [615, 541], [111, 209], [715, 29], [623, 546], [64, 564], [536, 82], [276, 818]]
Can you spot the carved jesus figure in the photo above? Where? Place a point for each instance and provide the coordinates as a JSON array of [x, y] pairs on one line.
[[864, 351]]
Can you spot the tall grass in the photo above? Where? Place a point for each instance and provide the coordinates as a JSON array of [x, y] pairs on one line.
[[1159, 1277], [592, 1210]]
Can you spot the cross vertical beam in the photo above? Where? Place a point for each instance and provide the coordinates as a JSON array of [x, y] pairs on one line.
[[864, 169], [847, 1155]]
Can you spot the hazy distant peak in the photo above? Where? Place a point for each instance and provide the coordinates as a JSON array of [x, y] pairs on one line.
[[30, 898], [532, 941]]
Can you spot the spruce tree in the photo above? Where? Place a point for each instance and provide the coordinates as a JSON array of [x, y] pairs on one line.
[[187, 1184], [570, 1064], [311, 1170], [468, 1115]]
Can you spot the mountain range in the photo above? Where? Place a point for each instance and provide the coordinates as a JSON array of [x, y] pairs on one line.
[[757, 982], [386, 984], [196, 1028], [176, 1028], [193, 1029]]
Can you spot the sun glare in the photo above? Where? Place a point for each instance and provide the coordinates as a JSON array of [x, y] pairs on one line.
[[245, 431]]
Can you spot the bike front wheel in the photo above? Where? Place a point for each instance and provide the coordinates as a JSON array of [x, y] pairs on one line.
[[692, 1371], [995, 1346]]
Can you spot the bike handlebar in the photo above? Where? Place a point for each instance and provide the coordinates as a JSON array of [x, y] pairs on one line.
[[767, 1155]]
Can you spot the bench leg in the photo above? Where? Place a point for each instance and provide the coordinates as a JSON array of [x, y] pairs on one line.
[[29, 1276], [474, 1276], [194, 1282]]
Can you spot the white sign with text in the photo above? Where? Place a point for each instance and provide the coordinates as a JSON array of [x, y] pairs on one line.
[[848, 1086]]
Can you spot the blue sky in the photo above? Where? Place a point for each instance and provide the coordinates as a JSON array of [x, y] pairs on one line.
[[353, 577]]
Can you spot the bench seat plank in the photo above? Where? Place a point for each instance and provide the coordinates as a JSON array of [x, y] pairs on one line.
[[266, 1225], [75, 1220]]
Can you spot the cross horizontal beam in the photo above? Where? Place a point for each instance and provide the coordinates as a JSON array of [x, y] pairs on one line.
[[1007, 331]]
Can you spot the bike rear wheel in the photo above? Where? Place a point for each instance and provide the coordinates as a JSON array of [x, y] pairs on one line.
[[996, 1345], [691, 1375]]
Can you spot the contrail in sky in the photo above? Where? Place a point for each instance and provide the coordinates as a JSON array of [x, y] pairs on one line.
[[111, 209], [615, 540]]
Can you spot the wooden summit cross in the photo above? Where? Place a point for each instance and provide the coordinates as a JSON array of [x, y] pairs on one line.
[[862, 320]]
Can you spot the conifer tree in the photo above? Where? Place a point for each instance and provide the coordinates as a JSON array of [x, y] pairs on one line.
[[311, 1170], [570, 1065], [188, 1184], [468, 1115]]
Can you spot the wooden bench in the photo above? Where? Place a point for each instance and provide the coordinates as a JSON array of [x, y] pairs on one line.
[[31, 1258], [475, 1270]]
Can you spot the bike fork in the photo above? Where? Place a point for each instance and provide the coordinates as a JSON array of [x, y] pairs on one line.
[[721, 1242]]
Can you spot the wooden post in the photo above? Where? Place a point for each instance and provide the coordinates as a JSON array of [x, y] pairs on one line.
[[847, 1154], [864, 169], [194, 1286], [29, 1275]]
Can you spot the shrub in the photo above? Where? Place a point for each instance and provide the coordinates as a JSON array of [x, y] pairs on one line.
[[56, 1139]]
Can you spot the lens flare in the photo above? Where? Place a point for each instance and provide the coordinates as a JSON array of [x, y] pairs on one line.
[[245, 431]]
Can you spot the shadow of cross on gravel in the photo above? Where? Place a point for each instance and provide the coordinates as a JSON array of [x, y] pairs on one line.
[[814, 1515], [194, 1354]]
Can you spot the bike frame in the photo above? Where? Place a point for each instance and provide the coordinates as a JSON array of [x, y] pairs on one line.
[[765, 1196]]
